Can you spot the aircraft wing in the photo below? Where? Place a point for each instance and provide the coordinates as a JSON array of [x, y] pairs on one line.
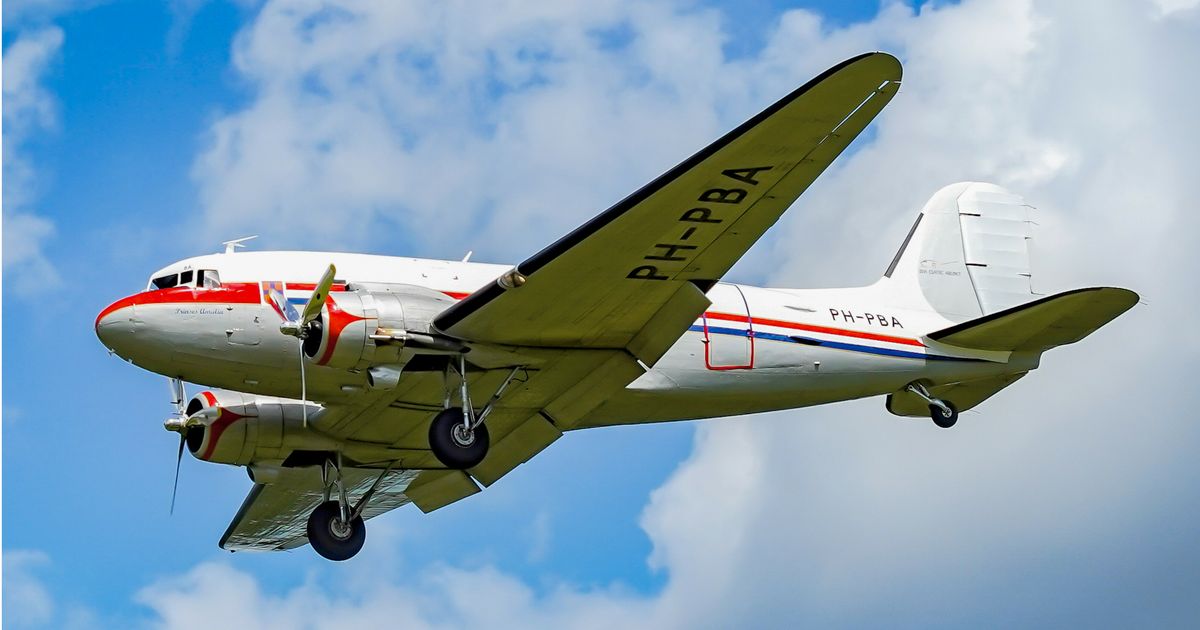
[[274, 515], [652, 256], [581, 314]]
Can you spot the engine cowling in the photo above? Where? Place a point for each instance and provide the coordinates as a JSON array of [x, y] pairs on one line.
[[342, 336], [236, 428]]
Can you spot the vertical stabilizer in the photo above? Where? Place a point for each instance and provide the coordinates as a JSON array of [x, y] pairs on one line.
[[968, 253]]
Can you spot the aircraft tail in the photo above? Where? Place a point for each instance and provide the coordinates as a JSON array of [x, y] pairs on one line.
[[967, 258], [967, 255], [1033, 327]]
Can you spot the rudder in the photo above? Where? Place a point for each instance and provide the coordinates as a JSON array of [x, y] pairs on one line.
[[968, 254]]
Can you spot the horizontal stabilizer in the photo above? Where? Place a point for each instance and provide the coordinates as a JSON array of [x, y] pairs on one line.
[[1042, 324]]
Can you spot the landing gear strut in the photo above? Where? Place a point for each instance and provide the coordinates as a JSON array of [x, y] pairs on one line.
[[457, 435], [335, 528], [943, 412]]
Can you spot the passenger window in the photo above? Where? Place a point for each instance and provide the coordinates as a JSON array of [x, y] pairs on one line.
[[185, 278], [208, 279], [165, 282]]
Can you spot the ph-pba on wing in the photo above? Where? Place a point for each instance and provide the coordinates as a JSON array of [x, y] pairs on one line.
[[664, 245]]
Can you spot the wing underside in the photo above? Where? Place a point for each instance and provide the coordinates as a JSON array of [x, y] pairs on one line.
[[274, 515]]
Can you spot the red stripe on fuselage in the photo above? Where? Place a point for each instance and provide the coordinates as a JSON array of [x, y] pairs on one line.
[[228, 293], [233, 293], [730, 317]]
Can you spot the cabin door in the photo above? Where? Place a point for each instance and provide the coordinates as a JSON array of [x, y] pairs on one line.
[[728, 330]]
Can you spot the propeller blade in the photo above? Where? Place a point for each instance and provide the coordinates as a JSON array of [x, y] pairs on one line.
[[312, 308], [178, 460], [286, 310]]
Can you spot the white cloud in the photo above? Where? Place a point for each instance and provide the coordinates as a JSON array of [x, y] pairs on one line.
[[27, 602], [1168, 7], [217, 595], [22, 13], [28, 110], [540, 534], [1042, 508], [442, 124]]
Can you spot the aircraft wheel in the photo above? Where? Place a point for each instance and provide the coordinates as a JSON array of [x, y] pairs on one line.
[[455, 446], [332, 538], [940, 417]]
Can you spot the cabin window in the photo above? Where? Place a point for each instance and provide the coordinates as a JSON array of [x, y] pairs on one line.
[[165, 282], [185, 278], [208, 279]]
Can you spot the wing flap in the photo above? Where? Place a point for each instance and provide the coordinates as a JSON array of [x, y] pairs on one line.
[[435, 489], [530, 437]]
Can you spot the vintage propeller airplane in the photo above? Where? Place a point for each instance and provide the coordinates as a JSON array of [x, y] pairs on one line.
[[402, 380]]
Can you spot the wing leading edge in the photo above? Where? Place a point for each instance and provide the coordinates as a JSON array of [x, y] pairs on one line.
[[600, 285]]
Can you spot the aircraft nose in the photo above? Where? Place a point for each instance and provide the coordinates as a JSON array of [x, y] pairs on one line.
[[114, 326]]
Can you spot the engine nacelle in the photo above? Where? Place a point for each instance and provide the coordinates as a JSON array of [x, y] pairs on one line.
[[236, 428], [342, 335]]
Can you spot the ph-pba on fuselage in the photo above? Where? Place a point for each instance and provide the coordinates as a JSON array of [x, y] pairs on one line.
[[351, 384]]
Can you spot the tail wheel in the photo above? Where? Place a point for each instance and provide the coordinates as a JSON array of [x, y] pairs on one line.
[[941, 418], [456, 446], [332, 537]]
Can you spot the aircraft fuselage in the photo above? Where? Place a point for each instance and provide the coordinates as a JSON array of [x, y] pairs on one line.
[[754, 349]]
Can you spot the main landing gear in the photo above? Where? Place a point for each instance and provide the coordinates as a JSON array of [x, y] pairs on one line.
[[335, 528], [457, 435], [943, 412]]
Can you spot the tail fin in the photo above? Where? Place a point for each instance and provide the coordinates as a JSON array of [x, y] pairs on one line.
[[967, 255]]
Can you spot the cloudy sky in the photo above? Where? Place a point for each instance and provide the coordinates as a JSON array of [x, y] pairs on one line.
[[138, 133]]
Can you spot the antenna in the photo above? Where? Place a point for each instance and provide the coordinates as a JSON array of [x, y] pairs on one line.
[[467, 258], [237, 242]]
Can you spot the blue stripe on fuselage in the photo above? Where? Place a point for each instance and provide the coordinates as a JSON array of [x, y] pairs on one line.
[[837, 345]]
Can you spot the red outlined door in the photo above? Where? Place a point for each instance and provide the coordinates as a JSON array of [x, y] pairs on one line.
[[728, 330]]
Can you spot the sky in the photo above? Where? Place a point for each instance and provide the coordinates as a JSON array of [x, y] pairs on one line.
[[139, 133]]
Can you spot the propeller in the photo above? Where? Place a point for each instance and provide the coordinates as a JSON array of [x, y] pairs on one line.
[[299, 324], [179, 420], [178, 461]]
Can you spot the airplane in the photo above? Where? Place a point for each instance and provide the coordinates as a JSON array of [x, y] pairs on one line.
[[350, 384]]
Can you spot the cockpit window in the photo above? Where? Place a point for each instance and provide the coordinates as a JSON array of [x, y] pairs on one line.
[[208, 279], [165, 282], [185, 278]]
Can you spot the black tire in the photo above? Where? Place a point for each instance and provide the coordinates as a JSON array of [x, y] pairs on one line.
[[939, 416], [452, 451], [324, 535]]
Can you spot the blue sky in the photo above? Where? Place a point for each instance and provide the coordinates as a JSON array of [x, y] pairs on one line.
[[149, 132]]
